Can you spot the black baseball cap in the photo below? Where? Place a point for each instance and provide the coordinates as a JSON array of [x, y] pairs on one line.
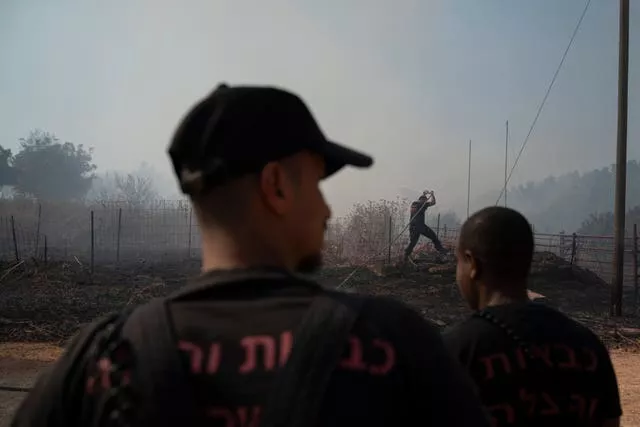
[[237, 130]]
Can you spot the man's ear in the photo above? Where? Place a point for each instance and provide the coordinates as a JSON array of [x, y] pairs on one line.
[[475, 266], [275, 188]]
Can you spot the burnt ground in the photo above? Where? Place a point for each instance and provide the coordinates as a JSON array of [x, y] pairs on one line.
[[43, 306], [49, 304]]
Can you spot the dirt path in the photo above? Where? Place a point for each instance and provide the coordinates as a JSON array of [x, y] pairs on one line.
[[21, 363], [627, 367], [19, 367]]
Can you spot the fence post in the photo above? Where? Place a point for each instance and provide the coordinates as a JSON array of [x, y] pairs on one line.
[[574, 237], [118, 235], [635, 264], [438, 226], [46, 248], [444, 234], [92, 243], [15, 240], [35, 252], [390, 239], [190, 224]]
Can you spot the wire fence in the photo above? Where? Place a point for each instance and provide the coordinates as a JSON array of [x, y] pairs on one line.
[[113, 232]]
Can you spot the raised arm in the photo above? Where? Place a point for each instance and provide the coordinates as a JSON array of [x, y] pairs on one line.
[[432, 199]]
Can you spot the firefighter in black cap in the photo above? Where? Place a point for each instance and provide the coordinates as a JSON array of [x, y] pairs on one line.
[[418, 228]]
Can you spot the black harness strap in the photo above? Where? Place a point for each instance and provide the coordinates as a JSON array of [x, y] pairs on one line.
[[298, 391], [160, 375]]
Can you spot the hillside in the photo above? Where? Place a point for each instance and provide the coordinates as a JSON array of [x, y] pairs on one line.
[[565, 202]]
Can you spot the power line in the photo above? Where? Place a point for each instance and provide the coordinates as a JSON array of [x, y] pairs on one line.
[[544, 100]]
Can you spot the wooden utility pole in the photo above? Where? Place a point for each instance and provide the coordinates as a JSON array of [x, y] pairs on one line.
[[506, 163], [621, 162], [469, 181]]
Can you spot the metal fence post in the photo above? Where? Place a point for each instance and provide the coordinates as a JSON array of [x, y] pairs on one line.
[[574, 238], [190, 232], [118, 235], [438, 226], [390, 239], [15, 240], [35, 251], [93, 242]]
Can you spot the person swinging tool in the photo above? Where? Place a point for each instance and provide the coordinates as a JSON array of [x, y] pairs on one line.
[[417, 226]]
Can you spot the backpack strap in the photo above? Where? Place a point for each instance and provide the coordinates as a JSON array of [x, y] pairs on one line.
[[160, 374], [297, 394]]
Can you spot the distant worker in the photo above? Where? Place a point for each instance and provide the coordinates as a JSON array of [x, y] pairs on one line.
[[250, 342], [418, 227], [533, 365]]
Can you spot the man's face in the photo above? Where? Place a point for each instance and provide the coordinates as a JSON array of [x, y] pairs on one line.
[[301, 208], [466, 272], [310, 213]]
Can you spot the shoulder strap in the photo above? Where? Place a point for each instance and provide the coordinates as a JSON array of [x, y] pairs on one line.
[[296, 397], [167, 397]]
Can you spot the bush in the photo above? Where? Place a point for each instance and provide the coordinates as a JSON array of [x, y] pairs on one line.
[[601, 224]]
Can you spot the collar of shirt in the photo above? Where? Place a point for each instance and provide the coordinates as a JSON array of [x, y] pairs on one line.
[[258, 280]]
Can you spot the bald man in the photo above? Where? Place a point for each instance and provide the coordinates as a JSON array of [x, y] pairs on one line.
[[533, 365]]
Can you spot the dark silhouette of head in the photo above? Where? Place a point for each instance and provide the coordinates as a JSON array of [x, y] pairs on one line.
[[251, 159], [495, 250]]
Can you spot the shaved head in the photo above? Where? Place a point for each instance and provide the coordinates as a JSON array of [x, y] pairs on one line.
[[501, 240], [227, 205]]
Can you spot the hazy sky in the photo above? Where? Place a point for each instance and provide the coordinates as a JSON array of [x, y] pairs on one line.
[[410, 81]]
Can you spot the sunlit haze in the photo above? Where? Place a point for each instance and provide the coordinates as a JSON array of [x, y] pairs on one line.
[[410, 82]]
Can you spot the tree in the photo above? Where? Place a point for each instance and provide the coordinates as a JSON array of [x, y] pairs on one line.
[[131, 188], [601, 224], [564, 202], [7, 172], [136, 189], [49, 170], [450, 219]]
